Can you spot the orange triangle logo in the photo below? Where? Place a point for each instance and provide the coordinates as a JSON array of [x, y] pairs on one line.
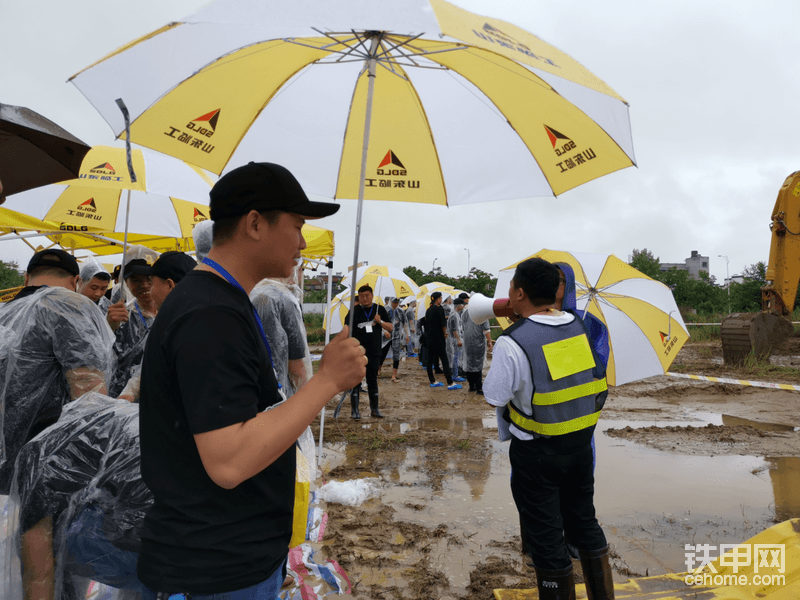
[[211, 117], [664, 337], [555, 135], [89, 202], [197, 213], [391, 159]]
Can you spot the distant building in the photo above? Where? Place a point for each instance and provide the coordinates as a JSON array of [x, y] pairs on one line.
[[734, 279], [320, 282], [694, 264]]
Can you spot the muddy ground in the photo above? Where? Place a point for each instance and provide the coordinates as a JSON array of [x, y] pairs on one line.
[[679, 461]]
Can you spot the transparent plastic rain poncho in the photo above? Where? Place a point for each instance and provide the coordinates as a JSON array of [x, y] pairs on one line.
[[453, 327], [84, 472], [473, 352], [282, 318], [202, 236], [55, 345], [89, 270], [399, 331], [132, 335]]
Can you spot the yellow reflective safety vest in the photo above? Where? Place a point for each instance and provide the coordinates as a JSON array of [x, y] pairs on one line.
[[569, 384]]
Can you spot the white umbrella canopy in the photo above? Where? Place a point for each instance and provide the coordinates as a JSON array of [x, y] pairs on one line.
[[645, 327]]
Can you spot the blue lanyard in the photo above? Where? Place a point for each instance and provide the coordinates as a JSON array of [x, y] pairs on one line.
[[141, 316], [368, 315], [229, 278]]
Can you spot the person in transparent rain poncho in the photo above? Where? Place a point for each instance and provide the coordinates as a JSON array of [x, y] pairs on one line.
[[131, 335], [400, 335], [473, 356], [280, 312], [202, 235], [93, 283], [455, 338], [54, 347], [76, 506]]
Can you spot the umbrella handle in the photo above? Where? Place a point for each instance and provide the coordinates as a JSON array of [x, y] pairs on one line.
[[121, 103]]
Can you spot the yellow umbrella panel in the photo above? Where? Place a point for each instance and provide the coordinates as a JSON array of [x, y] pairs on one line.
[[644, 326]]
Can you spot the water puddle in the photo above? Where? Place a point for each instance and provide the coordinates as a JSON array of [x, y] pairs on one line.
[[456, 425], [650, 503]]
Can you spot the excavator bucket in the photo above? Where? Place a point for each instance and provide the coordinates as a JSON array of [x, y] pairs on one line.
[[758, 334]]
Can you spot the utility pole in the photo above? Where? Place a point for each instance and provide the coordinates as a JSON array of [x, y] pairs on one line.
[[727, 280], [468, 269]]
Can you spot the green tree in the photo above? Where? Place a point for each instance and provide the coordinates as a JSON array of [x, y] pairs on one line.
[[478, 281], [9, 275], [746, 296], [644, 261]]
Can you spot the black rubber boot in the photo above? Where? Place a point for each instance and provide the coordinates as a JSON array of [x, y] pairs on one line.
[[597, 574], [555, 585], [373, 407], [354, 398]]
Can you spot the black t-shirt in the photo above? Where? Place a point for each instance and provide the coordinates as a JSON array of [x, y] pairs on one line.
[[206, 367], [435, 322], [370, 341]]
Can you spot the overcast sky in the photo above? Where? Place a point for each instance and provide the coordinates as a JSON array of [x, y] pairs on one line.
[[713, 90]]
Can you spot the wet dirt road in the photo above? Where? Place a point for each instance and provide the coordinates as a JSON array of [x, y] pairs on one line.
[[678, 462]]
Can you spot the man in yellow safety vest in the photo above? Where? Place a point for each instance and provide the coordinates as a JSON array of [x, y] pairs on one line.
[[549, 387]]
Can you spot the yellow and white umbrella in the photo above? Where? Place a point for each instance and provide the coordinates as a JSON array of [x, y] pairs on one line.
[[453, 96], [645, 327], [337, 311], [167, 199], [424, 295], [386, 281]]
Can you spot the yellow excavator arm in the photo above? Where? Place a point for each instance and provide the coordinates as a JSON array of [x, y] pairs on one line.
[[783, 270]]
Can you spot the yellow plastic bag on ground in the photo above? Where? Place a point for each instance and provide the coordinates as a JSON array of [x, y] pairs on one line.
[[302, 486]]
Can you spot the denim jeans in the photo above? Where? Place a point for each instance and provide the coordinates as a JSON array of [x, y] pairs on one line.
[[89, 553], [266, 590]]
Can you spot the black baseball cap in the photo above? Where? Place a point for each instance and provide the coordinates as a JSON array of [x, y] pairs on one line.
[[458, 302], [263, 186], [136, 266], [55, 258], [172, 265], [464, 296]]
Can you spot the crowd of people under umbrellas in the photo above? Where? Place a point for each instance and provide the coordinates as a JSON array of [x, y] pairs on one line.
[[81, 476]]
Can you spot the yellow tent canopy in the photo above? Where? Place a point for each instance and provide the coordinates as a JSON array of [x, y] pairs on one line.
[[319, 241]]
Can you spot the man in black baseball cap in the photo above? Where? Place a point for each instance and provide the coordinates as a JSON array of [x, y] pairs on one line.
[[167, 272], [211, 450]]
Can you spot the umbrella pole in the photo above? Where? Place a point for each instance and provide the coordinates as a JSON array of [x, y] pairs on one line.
[[132, 174], [327, 339], [371, 66]]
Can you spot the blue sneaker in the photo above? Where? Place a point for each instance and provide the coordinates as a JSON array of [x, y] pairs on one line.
[[455, 386], [412, 355], [438, 384], [459, 379]]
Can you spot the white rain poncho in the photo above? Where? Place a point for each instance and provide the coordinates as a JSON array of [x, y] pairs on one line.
[[132, 335], [282, 318], [55, 345], [84, 472], [473, 352], [202, 236]]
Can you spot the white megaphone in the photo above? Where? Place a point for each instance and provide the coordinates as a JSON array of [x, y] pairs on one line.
[[482, 308]]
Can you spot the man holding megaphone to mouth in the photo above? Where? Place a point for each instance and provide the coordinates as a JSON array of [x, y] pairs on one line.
[[549, 383]]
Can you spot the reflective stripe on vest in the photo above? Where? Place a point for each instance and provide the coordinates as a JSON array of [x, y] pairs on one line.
[[570, 402]]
